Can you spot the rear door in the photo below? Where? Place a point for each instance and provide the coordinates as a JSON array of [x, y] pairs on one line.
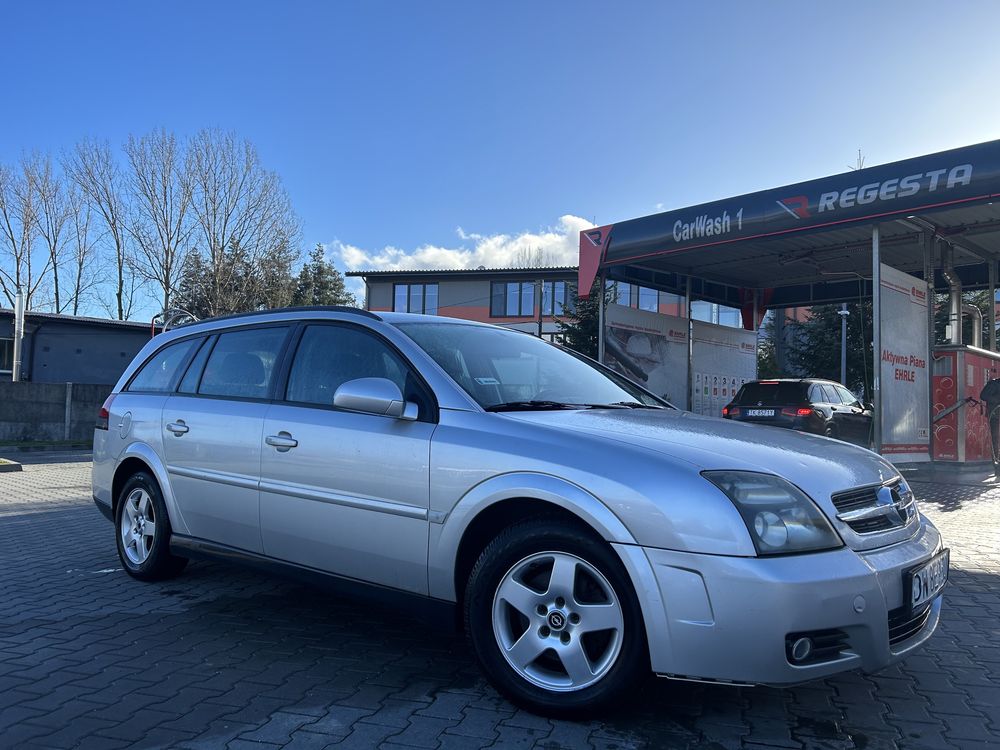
[[212, 431], [341, 491]]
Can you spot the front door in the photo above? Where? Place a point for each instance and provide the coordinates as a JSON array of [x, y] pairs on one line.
[[341, 491]]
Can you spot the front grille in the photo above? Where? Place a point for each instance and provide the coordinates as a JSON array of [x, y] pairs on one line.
[[827, 646], [903, 625], [875, 508]]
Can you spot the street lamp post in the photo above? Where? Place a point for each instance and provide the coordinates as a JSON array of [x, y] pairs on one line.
[[843, 313]]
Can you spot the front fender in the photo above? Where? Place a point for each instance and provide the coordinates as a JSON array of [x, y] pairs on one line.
[[148, 456], [448, 528]]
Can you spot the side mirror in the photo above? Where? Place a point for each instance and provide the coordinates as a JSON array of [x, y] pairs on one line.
[[869, 407], [374, 396]]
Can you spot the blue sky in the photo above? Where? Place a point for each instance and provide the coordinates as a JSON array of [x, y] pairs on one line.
[[395, 124]]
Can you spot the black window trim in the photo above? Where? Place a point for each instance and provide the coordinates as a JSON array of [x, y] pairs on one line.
[[281, 382]]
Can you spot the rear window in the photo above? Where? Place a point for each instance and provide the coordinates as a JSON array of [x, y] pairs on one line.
[[771, 394]]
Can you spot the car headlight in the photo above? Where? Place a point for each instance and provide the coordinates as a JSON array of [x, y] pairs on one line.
[[780, 517]]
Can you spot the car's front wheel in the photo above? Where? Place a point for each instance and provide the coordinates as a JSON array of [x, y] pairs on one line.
[[143, 531], [554, 621]]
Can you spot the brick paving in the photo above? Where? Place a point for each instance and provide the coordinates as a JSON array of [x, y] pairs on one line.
[[224, 657]]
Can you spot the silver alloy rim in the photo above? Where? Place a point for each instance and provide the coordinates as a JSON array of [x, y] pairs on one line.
[[558, 621], [138, 525]]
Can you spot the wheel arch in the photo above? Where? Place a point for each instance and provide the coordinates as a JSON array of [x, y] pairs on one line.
[[141, 457], [492, 505]]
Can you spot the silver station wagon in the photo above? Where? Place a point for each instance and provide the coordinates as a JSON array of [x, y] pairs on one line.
[[583, 532]]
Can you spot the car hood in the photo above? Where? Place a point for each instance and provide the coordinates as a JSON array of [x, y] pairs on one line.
[[819, 466]]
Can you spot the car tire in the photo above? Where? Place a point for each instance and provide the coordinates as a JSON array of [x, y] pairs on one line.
[[554, 621], [142, 531], [831, 432]]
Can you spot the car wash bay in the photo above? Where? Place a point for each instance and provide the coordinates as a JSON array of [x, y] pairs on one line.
[[895, 234]]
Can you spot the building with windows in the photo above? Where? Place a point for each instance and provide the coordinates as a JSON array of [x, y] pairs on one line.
[[528, 299], [70, 349]]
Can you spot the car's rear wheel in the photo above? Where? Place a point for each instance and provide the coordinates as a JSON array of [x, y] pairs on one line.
[[554, 621], [143, 531]]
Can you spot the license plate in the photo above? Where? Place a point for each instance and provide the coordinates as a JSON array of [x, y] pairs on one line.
[[760, 412], [927, 581]]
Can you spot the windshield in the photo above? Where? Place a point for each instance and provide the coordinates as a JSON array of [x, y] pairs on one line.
[[499, 367]]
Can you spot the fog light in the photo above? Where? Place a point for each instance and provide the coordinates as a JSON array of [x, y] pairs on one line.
[[801, 649]]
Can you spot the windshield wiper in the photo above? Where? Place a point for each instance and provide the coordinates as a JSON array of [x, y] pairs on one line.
[[631, 405], [532, 406]]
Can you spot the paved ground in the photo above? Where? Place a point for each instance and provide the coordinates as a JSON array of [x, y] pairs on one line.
[[222, 657]]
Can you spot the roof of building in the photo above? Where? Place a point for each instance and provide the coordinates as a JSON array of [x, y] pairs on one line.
[[79, 319], [457, 272]]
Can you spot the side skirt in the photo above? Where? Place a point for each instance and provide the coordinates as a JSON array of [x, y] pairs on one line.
[[437, 613]]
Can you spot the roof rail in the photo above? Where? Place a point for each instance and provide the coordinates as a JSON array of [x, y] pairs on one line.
[[306, 308]]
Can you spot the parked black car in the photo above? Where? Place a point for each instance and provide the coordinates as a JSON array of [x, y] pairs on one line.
[[821, 407]]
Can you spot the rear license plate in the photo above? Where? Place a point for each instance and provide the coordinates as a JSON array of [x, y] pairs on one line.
[[760, 412], [927, 581]]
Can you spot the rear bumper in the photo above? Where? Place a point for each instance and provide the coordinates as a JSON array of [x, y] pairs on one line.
[[727, 618]]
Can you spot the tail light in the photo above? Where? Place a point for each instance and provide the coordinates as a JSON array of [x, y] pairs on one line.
[[104, 413], [791, 411], [730, 411]]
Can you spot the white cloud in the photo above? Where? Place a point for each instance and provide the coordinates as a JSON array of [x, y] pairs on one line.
[[552, 246]]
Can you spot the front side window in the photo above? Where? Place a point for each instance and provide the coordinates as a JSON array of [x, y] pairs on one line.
[[416, 298], [512, 299], [161, 370], [499, 367], [846, 397], [242, 363], [330, 355], [6, 356]]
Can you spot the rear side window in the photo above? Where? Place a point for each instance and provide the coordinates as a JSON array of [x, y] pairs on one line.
[[242, 364], [771, 394], [160, 372], [330, 355]]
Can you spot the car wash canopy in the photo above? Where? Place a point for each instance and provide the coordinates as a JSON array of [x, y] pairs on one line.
[[809, 243]]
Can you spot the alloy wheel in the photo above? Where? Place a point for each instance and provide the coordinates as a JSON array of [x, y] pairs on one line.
[[558, 621], [138, 526]]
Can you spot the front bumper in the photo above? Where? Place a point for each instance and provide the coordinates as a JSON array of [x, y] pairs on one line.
[[727, 618]]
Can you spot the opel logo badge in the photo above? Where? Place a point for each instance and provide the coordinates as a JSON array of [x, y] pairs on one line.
[[556, 620]]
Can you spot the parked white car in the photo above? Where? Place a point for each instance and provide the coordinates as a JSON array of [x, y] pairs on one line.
[[586, 532]]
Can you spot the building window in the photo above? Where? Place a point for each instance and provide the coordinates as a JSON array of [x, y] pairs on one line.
[[6, 356], [416, 298], [512, 299], [633, 295], [557, 298]]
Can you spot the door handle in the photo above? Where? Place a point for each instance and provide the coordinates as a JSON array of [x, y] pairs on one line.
[[283, 441], [178, 427]]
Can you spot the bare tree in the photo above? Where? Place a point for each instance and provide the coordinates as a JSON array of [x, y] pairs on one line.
[[82, 257], [51, 215], [92, 167], [247, 231], [20, 269], [161, 196]]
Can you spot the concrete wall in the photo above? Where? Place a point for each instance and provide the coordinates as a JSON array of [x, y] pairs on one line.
[[39, 411]]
